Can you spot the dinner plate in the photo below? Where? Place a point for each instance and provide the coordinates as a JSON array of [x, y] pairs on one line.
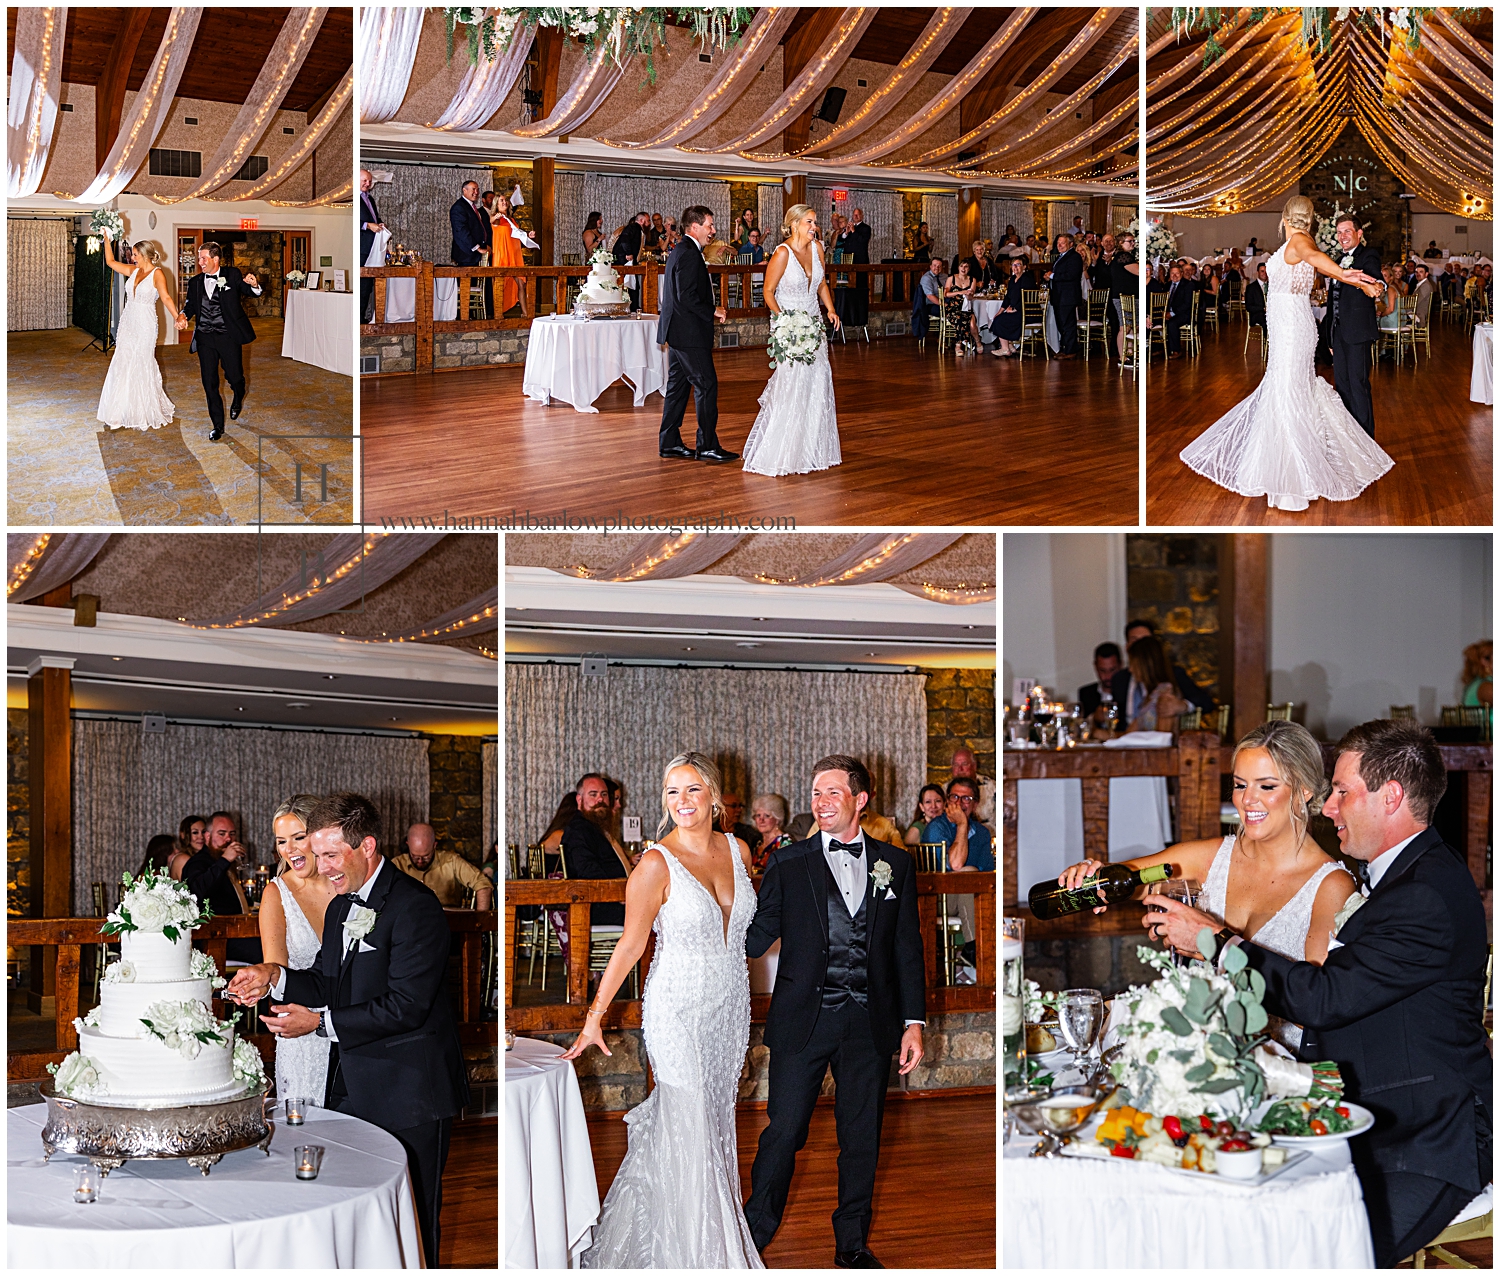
[[1363, 1120]]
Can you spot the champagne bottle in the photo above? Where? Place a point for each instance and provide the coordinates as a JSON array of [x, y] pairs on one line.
[[1117, 881]]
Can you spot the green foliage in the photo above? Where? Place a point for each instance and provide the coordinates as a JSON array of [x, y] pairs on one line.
[[1172, 1019]]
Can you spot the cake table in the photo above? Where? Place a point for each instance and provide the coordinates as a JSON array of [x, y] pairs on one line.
[[576, 360]]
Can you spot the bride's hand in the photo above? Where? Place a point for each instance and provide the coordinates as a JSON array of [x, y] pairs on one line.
[[1075, 875], [592, 1035], [837, 322], [1360, 278]]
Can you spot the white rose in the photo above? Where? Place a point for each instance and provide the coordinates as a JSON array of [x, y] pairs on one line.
[[1010, 1016], [149, 913]]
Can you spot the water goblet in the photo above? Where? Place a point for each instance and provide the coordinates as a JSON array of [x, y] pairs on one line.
[[1080, 1016]]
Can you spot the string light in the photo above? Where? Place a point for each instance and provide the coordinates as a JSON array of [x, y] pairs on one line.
[[888, 547], [650, 563], [581, 93], [308, 142], [23, 570], [290, 600]]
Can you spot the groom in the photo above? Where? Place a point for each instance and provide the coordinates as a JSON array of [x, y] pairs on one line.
[[1354, 326], [223, 330], [850, 992], [378, 994], [1398, 1003], [686, 326]]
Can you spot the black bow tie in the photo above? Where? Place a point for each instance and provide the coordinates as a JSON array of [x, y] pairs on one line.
[[856, 849]]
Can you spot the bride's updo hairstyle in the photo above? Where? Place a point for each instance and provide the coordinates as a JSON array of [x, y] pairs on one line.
[[1299, 763], [793, 215], [149, 251], [707, 772], [1297, 215]]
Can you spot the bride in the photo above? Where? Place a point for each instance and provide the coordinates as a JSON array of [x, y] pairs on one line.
[[1292, 440], [133, 397], [676, 1199], [1269, 882], [797, 430]]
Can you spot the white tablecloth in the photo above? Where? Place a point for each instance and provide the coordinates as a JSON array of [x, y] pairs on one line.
[[551, 1195], [401, 300], [251, 1211], [984, 311], [1071, 1213], [319, 329], [1482, 380], [576, 360]]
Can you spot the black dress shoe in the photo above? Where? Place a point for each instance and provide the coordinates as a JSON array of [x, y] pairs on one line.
[[856, 1258], [716, 455], [217, 434], [234, 410], [678, 453]]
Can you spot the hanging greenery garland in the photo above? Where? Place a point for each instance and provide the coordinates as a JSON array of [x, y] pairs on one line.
[[1318, 24]]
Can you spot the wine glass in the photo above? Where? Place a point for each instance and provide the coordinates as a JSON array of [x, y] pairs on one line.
[[1080, 1016], [1184, 890]]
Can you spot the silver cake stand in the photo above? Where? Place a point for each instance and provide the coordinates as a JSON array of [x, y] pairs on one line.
[[200, 1133]]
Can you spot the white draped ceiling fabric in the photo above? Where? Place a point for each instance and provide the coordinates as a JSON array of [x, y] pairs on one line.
[[480, 615], [148, 113], [35, 91], [311, 137], [484, 88], [38, 564], [595, 81], [388, 38], [1274, 106], [278, 71]]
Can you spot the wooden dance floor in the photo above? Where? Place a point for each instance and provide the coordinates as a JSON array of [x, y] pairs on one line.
[[934, 1193], [470, 1235], [925, 441], [1440, 441]]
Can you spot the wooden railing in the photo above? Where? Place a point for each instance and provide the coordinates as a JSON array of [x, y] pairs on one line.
[[70, 935], [541, 286], [576, 895]]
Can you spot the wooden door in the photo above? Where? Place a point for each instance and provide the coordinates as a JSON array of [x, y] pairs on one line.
[[296, 254], [186, 266]]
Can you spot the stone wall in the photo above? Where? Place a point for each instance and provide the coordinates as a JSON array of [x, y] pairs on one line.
[[456, 778], [18, 820], [960, 715], [1352, 176], [261, 255], [1174, 581], [396, 354]]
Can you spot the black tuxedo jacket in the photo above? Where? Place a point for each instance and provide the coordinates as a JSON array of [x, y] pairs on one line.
[[1067, 280], [1357, 321], [471, 232], [1180, 300], [1255, 302], [367, 213], [629, 243], [398, 1046], [589, 855], [236, 324], [1090, 697], [793, 907], [1398, 1009], [686, 321]]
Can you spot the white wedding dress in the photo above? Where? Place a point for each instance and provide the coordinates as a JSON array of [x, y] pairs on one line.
[[1292, 440], [1285, 933], [301, 1062], [133, 398], [797, 429], [676, 1200]]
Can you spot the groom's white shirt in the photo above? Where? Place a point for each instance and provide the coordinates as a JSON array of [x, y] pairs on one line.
[[209, 281], [1383, 861]]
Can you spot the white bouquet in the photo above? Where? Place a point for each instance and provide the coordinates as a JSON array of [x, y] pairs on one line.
[[1161, 243], [296, 278], [248, 1067], [795, 337], [186, 1027], [77, 1076], [1327, 236], [107, 221], [153, 902], [202, 967]]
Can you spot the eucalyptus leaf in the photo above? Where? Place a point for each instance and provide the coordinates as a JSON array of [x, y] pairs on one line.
[[1182, 1056], [1152, 1055], [1255, 1018], [1222, 1046], [1235, 960], [1207, 944], [1234, 1017], [1173, 1021], [1201, 1073], [1258, 985], [1222, 1086]]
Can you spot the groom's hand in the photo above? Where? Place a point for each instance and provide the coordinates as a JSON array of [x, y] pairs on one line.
[[291, 1020], [911, 1048], [1177, 923], [251, 983], [721, 314], [252, 281]]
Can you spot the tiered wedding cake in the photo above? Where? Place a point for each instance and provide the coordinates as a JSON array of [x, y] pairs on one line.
[[602, 288], [153, 1041]]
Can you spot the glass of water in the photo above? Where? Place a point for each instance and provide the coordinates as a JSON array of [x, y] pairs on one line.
[[1080, 1018], [1185, 890]]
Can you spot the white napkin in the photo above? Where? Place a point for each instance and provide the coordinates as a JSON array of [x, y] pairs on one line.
[[1141, 740], [377, 249]]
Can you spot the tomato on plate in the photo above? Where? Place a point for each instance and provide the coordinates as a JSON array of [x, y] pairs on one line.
[[1317, 1127], [1342, 1111]]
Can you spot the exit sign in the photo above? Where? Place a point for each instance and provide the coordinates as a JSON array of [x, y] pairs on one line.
[[249, 223], [839, 196]]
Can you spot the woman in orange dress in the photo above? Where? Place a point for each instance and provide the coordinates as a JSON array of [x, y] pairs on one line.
[[507, 244]]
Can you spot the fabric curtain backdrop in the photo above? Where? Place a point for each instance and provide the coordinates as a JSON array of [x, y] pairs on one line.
[[483, 89], [996, 214], [1060, 215], [821, 70], [667, 557], [738, 69], [489, 811], [312, 137], [568, 214], [940, 212], [480, 615], [882, 212], [35, 91], [129, 786], [768, 211], [621, 198], [346, 568], [388, 37], [40, 249], [62, 555], [764, 728], [266, 95], [148, 112], [595, 81], [415, 203]]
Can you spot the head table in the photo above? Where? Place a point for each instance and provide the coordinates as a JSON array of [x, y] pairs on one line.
[[551, 1195], [576, 360], [1079, 1213], [251, 1211]]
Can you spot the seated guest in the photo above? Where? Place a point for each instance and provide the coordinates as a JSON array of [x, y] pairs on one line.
[[213, 876], [1190, 690], [1479, 664], [1158, 281], [1386, 318], [802, 826], [960, 322], [590, 851], [881, 827], [1255, 298], [190, 837], [982, 268], [1180, 295], [566, 810], [970, 846], [1433, 250], [928, 299], [445, 873], [1092, 695], [1423, 291], [1033, 250], [1209, 287], [930, 803], [753, 249], [1151, 700], [159, 852], [654, 233], [768, 812], [1006, 325], [731, 819], [964, 766]]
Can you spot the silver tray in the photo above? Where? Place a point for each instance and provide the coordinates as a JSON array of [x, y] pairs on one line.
[[200, 1134]]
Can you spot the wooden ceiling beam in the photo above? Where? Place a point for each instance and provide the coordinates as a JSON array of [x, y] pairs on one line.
[[549, 48], [797, 51], [316, 107], [109, 98]]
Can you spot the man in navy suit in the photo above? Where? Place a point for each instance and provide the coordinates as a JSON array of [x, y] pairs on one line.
[[1067, 292], [471, 236], [686, 327], [369, 224]]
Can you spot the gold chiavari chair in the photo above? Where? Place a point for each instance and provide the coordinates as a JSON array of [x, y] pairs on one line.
[[1034, 321], [1156, 309], [1222, 716], [1235, 305], [1190, 331], [1094, 325], [1130, 343], [1279, 712], [1260, 337], [1209, 317], [932, 857], [1420, 332]]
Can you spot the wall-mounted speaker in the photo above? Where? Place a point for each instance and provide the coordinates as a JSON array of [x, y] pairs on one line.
[[833, 103]]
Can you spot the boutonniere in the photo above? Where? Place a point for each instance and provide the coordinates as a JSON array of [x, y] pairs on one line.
[[359, 923], [1347, 261], [1351, 906], [880, 874]]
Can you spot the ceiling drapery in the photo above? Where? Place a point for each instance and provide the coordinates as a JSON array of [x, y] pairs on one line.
[[484, 87], [35, 92], [595, 81], [38, 564], [388, 37], [1252, 121], [311, 137], [480, 615]]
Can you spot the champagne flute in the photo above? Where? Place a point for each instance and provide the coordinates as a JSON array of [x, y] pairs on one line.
[[1080, 1016]]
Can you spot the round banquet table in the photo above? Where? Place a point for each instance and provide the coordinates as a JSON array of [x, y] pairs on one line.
[[1482, 379], [576, 360], [551, 1195], [1081, 1213], [317, 330], [984, 310], [251, 1211]]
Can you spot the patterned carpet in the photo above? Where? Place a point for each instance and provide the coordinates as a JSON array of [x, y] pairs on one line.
[[66, 469]]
